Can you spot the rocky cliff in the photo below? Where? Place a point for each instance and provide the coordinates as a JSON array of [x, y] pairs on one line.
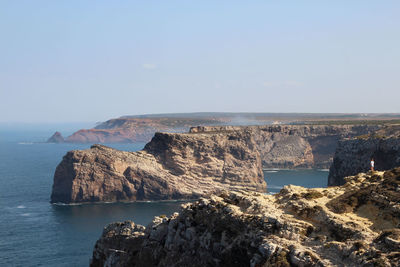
[[296, 146], [171, 166], [141, 128], [354, 155], [353, 225]]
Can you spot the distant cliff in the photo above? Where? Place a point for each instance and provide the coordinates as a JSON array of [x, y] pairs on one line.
[[171, 166], [130, 130], [354, 156], [352, 225], [141, 128], [296, 146]]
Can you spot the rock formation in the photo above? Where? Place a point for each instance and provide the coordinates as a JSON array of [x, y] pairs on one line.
[[171, 166], [188, 165], [141, 128], [354, 155], [56, 138], [296, 146], [353, 225]]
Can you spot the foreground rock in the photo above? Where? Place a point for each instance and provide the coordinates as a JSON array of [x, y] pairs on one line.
[[171, 166], [353, 225], [354, 155]]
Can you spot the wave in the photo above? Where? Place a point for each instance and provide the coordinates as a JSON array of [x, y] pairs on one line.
[[271, 171], [68, 204], [274, 187], [26, 214], [323, 170], [125, 202], [21, 207], [25, 143]]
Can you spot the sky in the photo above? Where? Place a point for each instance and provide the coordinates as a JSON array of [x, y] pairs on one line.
[[76, 61]]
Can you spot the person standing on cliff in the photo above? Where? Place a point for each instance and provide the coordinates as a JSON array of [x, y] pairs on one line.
[[372, 164]]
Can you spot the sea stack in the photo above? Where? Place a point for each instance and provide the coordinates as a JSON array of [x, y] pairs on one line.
[[171, 166], [56, 138]]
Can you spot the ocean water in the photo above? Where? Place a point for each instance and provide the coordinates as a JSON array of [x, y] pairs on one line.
[[36, 233]]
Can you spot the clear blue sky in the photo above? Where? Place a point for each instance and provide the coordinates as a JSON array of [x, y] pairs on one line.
[[63, 61]]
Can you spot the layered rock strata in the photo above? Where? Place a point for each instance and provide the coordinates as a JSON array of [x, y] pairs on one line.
[[353, 225], [171, 166], [296, 146], [354, 155]]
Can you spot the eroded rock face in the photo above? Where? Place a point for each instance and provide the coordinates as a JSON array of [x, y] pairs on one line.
[[354, 155], [353, 225], [171, 166], [296, 146]]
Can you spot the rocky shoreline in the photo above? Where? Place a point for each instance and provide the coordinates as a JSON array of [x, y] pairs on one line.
[[194, 164], [356, 224]]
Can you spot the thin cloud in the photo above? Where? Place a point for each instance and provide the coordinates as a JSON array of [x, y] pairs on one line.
[[283, 84], [149, 66]]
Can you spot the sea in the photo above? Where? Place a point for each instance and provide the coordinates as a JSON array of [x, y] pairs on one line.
[[34, 232]]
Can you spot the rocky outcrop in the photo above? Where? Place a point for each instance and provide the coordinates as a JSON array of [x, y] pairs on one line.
[[354, 155], [353, 225], [171, 166], [296, 146], [56, 138]]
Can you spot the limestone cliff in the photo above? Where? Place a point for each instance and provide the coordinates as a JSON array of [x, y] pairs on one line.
[[296, 146], [171, 166], [354, 155], [353, 225]]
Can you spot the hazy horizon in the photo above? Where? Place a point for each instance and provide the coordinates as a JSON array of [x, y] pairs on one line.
[[81, 61]]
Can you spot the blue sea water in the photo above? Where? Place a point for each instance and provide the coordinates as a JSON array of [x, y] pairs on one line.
[[34, 232]]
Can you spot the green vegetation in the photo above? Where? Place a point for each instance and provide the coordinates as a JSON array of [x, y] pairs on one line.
[[312, 194], [351, 122]]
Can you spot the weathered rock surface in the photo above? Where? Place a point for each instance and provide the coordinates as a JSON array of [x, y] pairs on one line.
[[352, 225], [56, 138], [296, 146], [354, 155], [171, 166]]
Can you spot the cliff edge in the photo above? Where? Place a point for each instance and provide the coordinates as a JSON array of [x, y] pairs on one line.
[[352, 225], [171, 166], [296, 146], [354, 155]]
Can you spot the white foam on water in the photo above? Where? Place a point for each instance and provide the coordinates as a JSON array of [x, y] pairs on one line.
[[21, 207], [274, 187], [25, 143], [25, 214], [271, 171]]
